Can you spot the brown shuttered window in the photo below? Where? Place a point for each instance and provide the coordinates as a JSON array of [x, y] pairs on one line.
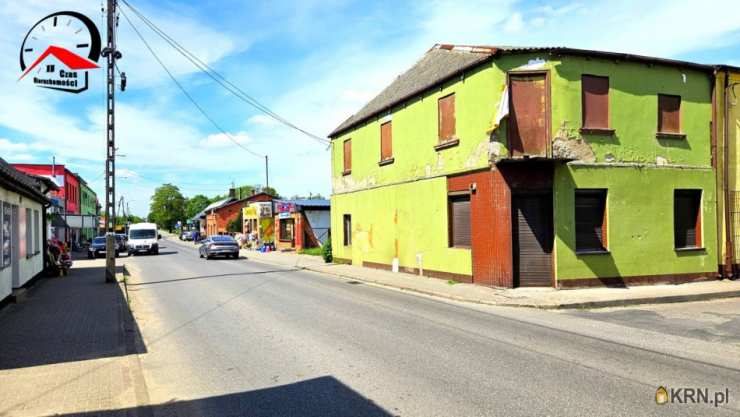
[[386, 141], [595, 101], [347, 156], [347, 229], [459, 220], [687, 219], [669, 114], [446, 108], [591, 232]]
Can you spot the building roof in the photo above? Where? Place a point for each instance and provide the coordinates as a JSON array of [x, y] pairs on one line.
[[249, 199], [21, 182], [49, 183], [213, 206], [306, 203], [444, 62]]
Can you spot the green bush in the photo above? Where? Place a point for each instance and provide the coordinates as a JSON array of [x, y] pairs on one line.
[[311, 251], [326, 252]]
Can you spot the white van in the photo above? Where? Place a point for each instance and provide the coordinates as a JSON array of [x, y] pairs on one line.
[[142, 238]]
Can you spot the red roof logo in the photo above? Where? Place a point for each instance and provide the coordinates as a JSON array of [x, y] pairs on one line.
[[70, 59]]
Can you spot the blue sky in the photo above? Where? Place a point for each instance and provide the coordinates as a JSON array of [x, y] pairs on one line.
[[314, 62]]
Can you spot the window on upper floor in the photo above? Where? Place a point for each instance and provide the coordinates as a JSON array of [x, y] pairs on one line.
[[590, 218], [669, 115], [687, 219], [595, 104], [446, 119], [459, 220], [386, 143], [347, 157]]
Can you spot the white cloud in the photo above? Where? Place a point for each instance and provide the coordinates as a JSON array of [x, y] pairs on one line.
[[127, 173], [262, 120], [515, 23], [220, 140], [7, 146]]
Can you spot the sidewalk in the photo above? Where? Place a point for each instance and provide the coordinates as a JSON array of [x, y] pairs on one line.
[[545, 298], [70, 348]]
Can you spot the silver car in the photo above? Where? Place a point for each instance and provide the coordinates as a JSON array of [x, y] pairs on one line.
[[213, 246]]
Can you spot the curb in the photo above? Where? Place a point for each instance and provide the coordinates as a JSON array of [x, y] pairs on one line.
[[646, 300], [586, 305]]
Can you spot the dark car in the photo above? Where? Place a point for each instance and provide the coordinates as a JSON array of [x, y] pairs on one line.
[[97, 246], [219, 246]]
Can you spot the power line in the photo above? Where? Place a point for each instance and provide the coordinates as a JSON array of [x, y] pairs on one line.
[[184, 91], [220, 79]]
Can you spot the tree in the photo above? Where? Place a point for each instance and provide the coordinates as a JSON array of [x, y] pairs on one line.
[[195, 205], [167, 207], [270, 191], [235, 226]]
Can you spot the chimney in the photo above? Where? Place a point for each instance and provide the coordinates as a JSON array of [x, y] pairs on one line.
[[232, 192]]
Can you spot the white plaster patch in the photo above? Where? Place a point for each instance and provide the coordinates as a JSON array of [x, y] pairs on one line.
[[659, 160], [494, 148], [475, 157], [533, 64]]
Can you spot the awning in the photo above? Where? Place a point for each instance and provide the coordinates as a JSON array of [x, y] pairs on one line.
[[58, 221]]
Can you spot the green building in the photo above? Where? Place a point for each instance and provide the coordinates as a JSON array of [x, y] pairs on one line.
[[89, 210], [531, 167]]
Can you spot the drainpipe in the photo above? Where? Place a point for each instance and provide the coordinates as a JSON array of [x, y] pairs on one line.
[[729, 238]]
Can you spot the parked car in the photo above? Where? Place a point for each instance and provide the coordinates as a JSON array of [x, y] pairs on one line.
[[97, 246], [143, 237], [124, 239], [187, 235], [219, 246]]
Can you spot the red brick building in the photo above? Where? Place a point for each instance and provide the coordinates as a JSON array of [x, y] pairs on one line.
[[69, 184], [218, 219]]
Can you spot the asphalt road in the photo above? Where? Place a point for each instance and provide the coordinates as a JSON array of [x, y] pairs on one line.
[[237, 337]]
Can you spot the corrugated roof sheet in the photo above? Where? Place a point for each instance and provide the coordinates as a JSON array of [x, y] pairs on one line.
[[307, 202], [214, 205], [444, 61], [435, 65]]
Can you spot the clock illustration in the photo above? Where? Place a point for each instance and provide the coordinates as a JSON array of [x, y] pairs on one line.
[[72, 31]]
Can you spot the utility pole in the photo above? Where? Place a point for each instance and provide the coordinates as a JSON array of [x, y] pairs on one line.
[[112, 55], [267, 174]]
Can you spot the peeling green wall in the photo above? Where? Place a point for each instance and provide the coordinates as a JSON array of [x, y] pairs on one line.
[[633, 108], [639, 221]]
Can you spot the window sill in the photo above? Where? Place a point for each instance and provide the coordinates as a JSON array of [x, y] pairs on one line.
[[286, 240], [447, 144], [386, 162], [690, 249], [460, 247], [597, 130], [346, 172], [668, 135], [592, 252]]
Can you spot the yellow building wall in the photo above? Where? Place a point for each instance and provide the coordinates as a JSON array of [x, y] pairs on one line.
[[415, 223], [730, 101]]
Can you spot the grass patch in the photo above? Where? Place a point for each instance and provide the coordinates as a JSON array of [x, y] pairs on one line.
[[310, 251], [451, 282]]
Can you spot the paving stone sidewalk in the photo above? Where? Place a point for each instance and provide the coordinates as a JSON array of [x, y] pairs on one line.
[[70, 348], [545, 298]]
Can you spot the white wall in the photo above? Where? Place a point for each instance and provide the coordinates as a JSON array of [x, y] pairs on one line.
[[29, 265]]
